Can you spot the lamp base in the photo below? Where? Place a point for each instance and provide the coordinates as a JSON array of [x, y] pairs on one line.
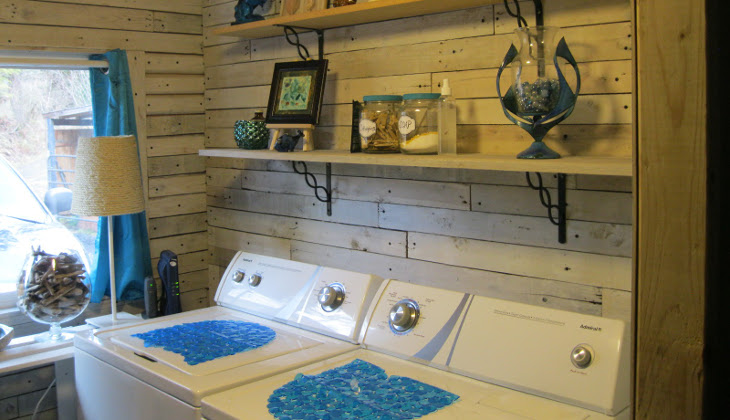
[[105, 321], [538, 150]]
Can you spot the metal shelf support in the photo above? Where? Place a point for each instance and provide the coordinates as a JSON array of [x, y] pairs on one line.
[[561, 220], [320, 37], [311, 181]]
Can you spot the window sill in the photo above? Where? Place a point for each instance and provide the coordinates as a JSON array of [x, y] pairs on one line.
[[26, 352]]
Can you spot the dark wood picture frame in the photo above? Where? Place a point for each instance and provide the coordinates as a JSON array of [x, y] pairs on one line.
[[297, 89]]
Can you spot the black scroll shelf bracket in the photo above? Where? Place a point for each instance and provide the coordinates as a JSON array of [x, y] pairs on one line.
[[300, 47], [323, 194], [545, 199]]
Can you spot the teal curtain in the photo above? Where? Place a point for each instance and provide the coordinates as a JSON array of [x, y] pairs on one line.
[[113, 106]]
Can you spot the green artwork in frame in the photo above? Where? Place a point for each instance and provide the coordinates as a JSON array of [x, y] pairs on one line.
[[296, 92]]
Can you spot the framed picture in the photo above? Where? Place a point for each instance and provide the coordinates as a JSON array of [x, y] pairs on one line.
[[296, 92], [295, 7]]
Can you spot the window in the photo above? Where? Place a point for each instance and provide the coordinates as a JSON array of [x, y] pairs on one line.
[[43, 113]]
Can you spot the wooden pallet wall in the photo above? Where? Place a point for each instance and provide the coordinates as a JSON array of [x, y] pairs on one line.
[[478, 231], [164, 42]]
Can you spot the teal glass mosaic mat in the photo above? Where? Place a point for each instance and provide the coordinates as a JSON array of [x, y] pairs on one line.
[[357, 390]]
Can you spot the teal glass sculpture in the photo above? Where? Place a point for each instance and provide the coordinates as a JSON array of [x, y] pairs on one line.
[[252, 134], [539, 96]]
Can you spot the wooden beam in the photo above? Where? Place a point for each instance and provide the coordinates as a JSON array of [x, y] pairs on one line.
[[671, 199]]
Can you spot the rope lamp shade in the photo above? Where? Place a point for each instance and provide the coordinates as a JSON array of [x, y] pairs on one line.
[[107, 180]]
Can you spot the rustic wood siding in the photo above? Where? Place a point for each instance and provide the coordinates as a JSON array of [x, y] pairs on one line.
[[479, 231]]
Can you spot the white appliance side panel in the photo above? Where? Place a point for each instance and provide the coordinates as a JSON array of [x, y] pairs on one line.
[[529, 348], [105, 392], [346, 321], [477, 400], [284, 284], [431, 340]]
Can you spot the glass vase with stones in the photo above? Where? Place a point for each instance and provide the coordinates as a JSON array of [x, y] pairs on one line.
[[539, 95], [54, 287]]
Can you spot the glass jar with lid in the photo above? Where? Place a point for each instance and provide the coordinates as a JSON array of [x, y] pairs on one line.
[[418, 123], [379, 124]]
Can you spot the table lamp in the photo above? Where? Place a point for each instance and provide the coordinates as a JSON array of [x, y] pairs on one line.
[[108, 182]]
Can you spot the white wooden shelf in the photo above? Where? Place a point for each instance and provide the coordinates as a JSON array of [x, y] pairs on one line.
[[355, 14], [568, 164]]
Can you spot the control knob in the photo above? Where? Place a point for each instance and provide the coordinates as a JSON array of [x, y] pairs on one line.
[[404, 315], [254, 280], [581, 356], [238, 276], [331, 297]]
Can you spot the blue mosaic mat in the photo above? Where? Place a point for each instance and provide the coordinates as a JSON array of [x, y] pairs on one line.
[[203, 341], [357, 390]]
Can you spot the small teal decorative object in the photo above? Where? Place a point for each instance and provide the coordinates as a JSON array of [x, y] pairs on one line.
[[252, 134], [539, 97], [244, 11]]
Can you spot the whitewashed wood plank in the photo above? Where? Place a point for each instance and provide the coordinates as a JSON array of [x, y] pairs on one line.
[[221, 138], [597, 206], [567, 139], [176, 225], [589, 109], [343, 211], [171, 125], [223, 177], [175, 145], [433, 194], [192, 7], [174, 84], [194, 299], [214, 278], [597, 238], [178, 23], [175, 64], [174, 165], [180, 244], [604, 183], [579, 298], [569, 266], [597, 77], [361, 238], [224, 13], [211, 39], [100, 39], [258, 244], [177, 184], [617, 304], [232, 53], [174, 104], [186, 263], [566, 13], [176, 205], [193, 281], [599, 43], [255, 96], [75, 15], [221, 257]]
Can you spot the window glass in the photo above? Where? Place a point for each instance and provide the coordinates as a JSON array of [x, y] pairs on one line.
[[43, 113]]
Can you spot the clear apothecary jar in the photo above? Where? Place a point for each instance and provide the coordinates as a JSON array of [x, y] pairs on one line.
[[418, 123], [379, 124]]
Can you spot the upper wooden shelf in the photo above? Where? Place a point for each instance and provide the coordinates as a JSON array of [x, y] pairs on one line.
[[355, 14], [568, 165]]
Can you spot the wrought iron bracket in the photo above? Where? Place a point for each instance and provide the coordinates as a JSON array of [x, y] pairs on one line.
[[320, 36], [561, 220], [312, 183]]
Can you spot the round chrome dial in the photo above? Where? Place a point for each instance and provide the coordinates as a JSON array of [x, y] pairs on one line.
[[238, 276], [404, 315], [331, 297], [254, 280], [582, 356]]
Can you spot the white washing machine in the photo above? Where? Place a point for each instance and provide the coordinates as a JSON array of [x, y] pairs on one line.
[[497, 359], [161, 369]]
